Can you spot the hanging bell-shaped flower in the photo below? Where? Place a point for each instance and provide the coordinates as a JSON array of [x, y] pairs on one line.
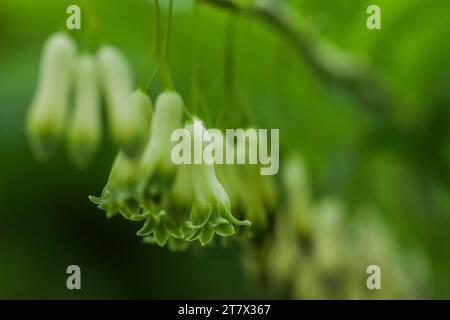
[[211, 209], [85, 128], [127, 124], [296, 183], [157, 170], [253, 195], [119, 194], [46, 118]]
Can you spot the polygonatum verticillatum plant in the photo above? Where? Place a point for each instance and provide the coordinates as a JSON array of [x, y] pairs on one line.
[[292, 242]]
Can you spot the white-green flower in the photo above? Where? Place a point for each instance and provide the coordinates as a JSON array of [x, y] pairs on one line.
[[128, 124], [156, 168], [46, 119], [85, 130], [329, 235], [295, 181]]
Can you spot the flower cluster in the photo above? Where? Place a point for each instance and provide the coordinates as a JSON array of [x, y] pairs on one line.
[[53, 116], [177, 203]]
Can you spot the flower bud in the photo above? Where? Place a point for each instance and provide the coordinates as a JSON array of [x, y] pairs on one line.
[[86, 124], [168, 117], [46, 119], [211, 210], [127, 123], [307, 282]]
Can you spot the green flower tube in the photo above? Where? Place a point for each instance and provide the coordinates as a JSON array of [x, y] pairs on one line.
[[157, 170], [161, 227], [127, 124], [86, 124], [46, 118]]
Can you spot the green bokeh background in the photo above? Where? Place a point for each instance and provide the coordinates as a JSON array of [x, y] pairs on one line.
[[47, 222]]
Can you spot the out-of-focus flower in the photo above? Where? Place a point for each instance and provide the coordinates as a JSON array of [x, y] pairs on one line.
[[119, 194], [47, 116], [85, 128]]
